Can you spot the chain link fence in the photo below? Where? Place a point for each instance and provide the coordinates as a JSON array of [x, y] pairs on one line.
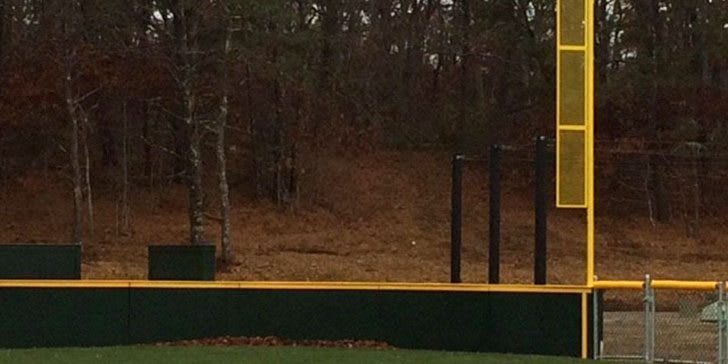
[[681, 333], [623, 321], [683, 322]]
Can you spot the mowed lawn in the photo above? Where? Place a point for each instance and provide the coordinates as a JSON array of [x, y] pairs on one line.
[[148, 354]]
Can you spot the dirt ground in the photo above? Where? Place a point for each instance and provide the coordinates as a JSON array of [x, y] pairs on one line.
[[380, 217]]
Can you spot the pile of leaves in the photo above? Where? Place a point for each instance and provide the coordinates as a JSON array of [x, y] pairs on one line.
[[275, 341]]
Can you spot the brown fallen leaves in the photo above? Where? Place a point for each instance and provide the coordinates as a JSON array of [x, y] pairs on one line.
[[275, 341]]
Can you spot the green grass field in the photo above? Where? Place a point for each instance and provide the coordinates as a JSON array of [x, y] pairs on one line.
[[147, 354]]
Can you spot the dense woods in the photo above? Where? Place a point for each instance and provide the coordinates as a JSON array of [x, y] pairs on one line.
[[135, 94]]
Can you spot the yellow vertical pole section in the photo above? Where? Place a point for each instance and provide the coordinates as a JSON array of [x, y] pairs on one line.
[[590, 223], [590, 217]]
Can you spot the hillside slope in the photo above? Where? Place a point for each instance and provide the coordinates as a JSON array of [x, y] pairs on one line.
[[380, 217]]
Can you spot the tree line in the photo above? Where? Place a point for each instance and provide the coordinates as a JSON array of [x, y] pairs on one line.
[[165, 90]]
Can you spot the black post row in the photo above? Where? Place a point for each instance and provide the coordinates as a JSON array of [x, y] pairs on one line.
[[494, 214], [456, 222], [539, 274]]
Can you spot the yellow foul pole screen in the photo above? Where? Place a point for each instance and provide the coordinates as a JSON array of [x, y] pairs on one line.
[[575, 113], [573, 97]]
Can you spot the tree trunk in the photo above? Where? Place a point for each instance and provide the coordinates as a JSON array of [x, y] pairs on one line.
[[651, 45], [467, 91], [148, 168], [194, 172], [603, 32], [277, 148], [658, 189], [124, 229], [185, 28], [255, 135], [77, 228], [329, 29], [87, 177], [227, 250]]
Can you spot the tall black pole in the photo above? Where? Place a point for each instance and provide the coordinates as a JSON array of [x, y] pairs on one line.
[[539, 274], [494, 232], [456, 222]]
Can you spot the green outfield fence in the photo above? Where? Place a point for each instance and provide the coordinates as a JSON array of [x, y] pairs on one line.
[[500, 319], [41, 307]]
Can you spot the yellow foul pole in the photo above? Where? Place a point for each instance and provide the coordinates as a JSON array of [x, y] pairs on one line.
[[575, 114], [575, 124], [590, 223]]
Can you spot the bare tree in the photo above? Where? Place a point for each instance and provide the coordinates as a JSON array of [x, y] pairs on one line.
[[70, 59], [185, 68], [71, 107], [124, 225], [86, 129], [224, 189]]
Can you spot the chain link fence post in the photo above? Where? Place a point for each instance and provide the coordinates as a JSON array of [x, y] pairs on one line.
[[722, 327], [649, 299], [596, 338]]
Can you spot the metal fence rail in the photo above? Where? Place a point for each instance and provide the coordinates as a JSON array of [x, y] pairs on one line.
[[662, 321]]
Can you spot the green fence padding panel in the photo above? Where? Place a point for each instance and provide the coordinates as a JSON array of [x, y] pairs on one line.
[[31, 261], [170, 315], [521, 323], [33, 317], [545, 324], [182, 262], [403, 319], [428, 320]]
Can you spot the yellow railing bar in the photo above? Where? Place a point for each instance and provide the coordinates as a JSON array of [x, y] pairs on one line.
[[658, 284], [622, 285], [383, 286], [685, 285], [380, 286], [30, 283], [265, 285]]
